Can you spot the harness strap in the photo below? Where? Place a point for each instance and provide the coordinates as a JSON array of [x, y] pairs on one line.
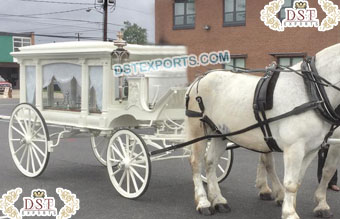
[[296, 111]]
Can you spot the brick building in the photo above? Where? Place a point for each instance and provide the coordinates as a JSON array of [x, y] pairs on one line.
[[235, 25]]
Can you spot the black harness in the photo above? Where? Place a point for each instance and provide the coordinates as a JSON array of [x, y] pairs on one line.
[[263, 100]]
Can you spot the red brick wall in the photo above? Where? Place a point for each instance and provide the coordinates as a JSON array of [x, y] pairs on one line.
[[254, 39]]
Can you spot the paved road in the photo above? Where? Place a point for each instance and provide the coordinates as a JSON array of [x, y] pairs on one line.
[[170, 194]]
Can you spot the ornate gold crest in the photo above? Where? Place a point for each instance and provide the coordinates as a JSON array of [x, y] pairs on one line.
[[300, 5], [39, 194]]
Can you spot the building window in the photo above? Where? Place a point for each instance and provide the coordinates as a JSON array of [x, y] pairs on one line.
[[234, 12], [287, 4], [234, 63], [184, 14], [20, 42], [289, 61]]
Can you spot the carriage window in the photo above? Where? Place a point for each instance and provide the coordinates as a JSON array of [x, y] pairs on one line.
[[30, 84], [62, 86], [234, 12], [287, 4], [289, 61], [95, 89], [235, 62], [184, 14]]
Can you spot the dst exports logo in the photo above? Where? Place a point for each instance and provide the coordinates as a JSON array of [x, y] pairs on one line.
[[38, 204], [300, 15]]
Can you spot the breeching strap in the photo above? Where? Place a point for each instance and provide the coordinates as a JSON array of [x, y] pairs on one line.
[[297, 110]]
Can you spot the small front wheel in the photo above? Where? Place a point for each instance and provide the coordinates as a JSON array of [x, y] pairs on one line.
[[128, 163]]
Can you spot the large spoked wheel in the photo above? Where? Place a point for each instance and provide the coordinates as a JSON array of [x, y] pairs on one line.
[[224, 165], [128, 164], [99, 146], [28, 140]]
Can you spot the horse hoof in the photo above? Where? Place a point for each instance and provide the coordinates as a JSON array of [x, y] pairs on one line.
[[223, 208], [206, 211], [279, 203], [323, 214], [266, 197]]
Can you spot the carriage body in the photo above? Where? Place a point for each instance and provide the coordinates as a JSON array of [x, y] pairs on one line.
[[73, 84]]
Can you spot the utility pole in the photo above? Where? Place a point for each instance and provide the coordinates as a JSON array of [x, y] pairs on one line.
[[105, 21]]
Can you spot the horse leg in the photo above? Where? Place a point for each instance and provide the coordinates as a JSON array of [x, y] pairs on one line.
[[215, 151], [198, 151], [322, 209], [293, 161], [265, 192], [278, 191]]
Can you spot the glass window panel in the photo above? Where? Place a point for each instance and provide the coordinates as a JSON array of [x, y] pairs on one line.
[[190, 8], [240, 62], [296, 60], [27, 41], [16, 44], [16, 49], [30, 84], [282, 14], [229, 17], [284, 61], [179, 20], [228, 5], [190, 19], [240, 16], [240, 5], [229, 66], [179, 8], [95, 89], [17, 39]]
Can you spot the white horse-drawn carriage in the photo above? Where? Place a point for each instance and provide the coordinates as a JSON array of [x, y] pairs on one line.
[[70, 88]]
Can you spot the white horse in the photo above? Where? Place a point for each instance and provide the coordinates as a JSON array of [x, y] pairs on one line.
[[228, 101], [266, 166]]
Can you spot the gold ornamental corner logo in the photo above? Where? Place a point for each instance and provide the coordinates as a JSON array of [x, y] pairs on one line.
[[301, 15], [39, 204]]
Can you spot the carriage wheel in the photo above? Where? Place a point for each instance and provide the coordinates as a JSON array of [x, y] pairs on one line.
[[99, 146], [223, 166], [28, 140], [128, 164]]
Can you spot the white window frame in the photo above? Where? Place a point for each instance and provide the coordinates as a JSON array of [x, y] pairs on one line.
[[21, 39]]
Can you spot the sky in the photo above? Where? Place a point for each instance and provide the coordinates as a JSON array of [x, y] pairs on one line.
[[70, 17]]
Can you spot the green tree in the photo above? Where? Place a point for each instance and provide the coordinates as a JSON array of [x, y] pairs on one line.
[[134, 34]]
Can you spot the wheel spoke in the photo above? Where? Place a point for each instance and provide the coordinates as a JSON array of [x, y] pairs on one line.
[[137, 156], [32, 160], [23, 154], [28, 159], [29, 122], [134, 181], [36, 156], [36, 132], [133, 149], [39, 140], [117, 151], [20, 124], [121, 144], [38, 149], [121, 179], [137, 174], [114, 160], [35, 122], [19, 132], [220, 167], [128, 181], [117, 171], [139, 161], [224, 158], [23, 145], [137, 165]]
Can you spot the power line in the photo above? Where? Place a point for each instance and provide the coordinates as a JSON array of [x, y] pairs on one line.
[[57, 2], [62, 19], [58, 12]]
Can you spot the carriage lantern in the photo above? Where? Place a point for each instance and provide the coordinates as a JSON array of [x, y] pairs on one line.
[[120, 55]]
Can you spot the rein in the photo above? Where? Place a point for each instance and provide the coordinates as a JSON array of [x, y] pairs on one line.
[[314, 82]]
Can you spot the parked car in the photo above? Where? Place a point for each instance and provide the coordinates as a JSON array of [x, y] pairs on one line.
[[4, 84]]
